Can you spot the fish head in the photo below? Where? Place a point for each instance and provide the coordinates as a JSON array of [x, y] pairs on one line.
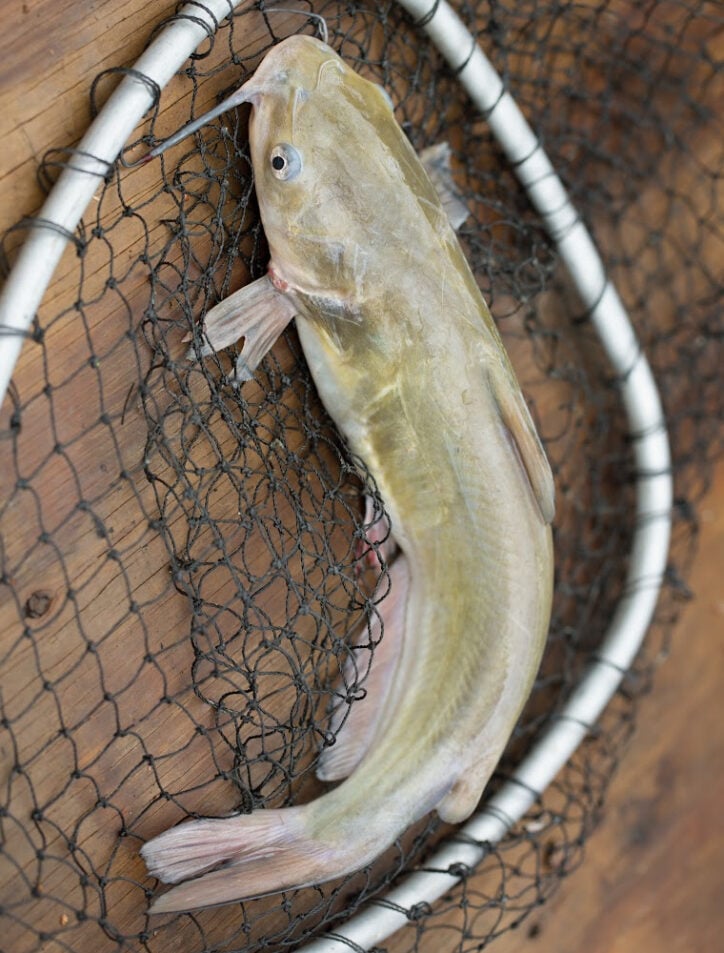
[[322, 142], [337, 181]]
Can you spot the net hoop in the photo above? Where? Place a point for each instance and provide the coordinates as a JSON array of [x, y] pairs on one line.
[[647, 431]]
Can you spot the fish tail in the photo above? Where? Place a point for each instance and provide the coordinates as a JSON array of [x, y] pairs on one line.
[[238, 858]]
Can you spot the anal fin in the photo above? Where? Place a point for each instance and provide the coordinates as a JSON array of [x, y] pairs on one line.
[[379, 544], [355, 734]]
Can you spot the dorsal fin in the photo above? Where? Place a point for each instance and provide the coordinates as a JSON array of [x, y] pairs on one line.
[[436, 160]]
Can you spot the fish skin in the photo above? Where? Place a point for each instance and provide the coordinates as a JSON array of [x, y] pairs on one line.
[[408, 362]]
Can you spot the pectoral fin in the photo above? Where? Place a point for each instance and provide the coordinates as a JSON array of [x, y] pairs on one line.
[[517, 421], [258, 312]]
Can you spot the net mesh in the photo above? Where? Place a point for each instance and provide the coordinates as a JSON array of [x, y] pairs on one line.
[[178, 557]]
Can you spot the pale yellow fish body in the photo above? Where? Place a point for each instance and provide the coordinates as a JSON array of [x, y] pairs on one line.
[[408, 362]]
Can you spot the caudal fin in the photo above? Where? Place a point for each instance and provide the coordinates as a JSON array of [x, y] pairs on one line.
[[239, 857]]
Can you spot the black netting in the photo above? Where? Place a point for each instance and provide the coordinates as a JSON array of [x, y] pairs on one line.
[[178, 575]]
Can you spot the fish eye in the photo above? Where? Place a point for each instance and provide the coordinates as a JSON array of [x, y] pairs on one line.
[[285, 161]]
